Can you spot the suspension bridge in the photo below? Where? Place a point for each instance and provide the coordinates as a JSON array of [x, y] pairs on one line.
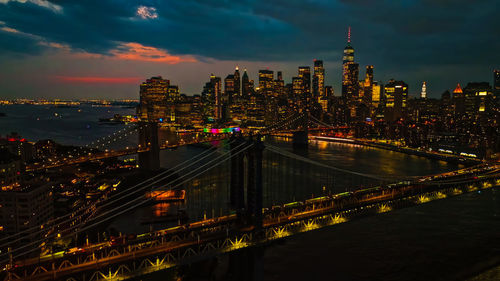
[[149, 144], [241, 197]]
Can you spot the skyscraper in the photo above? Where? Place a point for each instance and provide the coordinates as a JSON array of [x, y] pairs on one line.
[[478, 98], [246, 88], [350, 72], [458, 99], [376, 94], [423, 94], [217, 90], [395, 100], [319, 79], [305, 75], [212, 93], [266, 81], [279, 85], [297, 86], [173, 93], [368, 84], [237, 82], [230, 87], [153, 99]]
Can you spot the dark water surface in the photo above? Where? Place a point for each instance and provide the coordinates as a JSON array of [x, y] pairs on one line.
[[69, 126], [450, 239]]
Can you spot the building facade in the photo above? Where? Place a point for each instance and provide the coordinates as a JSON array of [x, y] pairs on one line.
[[396, 99], [153, 99], [266, 78], [319, 79]]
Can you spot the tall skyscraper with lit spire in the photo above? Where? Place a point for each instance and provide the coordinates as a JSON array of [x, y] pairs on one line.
[[350, 71], [247, 87], [237, 82]]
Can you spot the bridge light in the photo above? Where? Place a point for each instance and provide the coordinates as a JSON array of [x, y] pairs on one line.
[[423, 199], [440, 195], [384, 208]]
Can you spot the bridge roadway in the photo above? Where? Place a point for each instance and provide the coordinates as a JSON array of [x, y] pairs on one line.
[[125, 258]]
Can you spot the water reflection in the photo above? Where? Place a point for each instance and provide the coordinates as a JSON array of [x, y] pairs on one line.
[[162, 209], [284, 179]]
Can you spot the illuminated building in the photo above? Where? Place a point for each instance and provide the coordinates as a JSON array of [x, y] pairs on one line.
[[478, 98], [458, 100], [237, 82], [368, 84], [279, 85], [323, 102], [212, 94], [266, 81], [350, 72], [305, 75], [229, 88], [247, 87], [423, 94], [173, 94], [396, 98], [153, 99], [376, 94], [350, 80], [297, 87], [216, 83], [361, 91], [319, 79]]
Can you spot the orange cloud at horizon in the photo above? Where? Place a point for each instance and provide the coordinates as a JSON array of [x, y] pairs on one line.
[[99, 80], [139, 52]]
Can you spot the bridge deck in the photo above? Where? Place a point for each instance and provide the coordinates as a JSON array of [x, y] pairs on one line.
[[170, 247]]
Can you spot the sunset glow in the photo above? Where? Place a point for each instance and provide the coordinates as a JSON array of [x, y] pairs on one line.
[[138, 52]]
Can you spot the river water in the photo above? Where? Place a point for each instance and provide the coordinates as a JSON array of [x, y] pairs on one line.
[[449, 239]]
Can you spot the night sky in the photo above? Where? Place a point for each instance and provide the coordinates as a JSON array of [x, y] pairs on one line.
[[104, 48]]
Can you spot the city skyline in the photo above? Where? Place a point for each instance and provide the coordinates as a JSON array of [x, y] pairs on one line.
[[110, 62], [231, 140]]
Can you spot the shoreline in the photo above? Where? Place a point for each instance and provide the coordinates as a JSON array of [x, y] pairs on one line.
[[451, 158]]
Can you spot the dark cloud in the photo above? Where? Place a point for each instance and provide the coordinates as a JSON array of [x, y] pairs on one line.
[[401, 37], [19, 44]]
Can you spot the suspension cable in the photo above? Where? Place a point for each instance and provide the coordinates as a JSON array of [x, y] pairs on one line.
[[304, 159], [109, 200], [134, 200]]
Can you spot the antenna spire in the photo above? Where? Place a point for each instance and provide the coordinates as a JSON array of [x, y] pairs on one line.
[[349, 35]]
